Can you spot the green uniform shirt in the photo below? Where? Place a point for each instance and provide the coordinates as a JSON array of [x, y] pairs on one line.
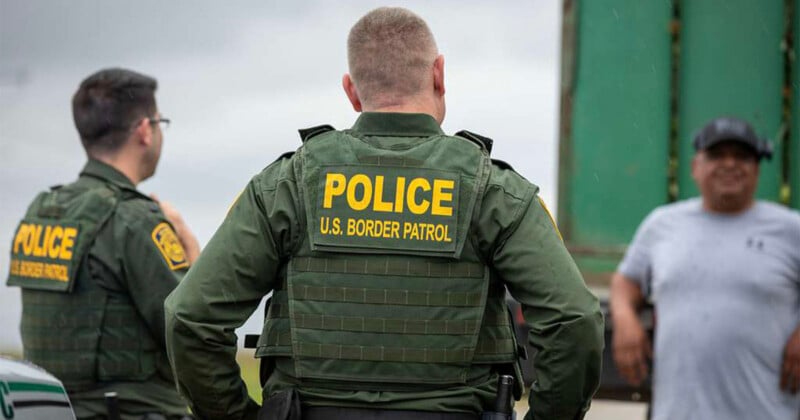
[[132, 267], [246, 258]]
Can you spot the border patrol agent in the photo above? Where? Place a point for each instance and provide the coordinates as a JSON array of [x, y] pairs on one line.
[[387, 248], [96, 258]]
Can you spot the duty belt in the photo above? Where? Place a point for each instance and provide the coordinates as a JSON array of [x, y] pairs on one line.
[[348, 413]]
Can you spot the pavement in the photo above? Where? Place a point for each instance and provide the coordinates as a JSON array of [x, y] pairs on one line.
[[601, 410]]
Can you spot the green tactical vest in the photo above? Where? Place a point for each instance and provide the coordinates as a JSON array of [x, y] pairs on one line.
[[69, 327], [386, 286]]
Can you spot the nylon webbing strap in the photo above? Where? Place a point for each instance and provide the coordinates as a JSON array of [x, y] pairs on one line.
[[383, 354], [386, 296], [67, 365], [280, 339], [386, 325], [391, 161], [56, 343], [483, 347], [490, 319], [495, 346], [78, 344], [80, 319], [388, 267]]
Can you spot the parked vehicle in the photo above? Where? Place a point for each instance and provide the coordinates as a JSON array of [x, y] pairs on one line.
[[28, 392]]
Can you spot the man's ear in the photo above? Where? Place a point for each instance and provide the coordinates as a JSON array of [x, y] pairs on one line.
[[438, 75], [143, 132], [351, 92]]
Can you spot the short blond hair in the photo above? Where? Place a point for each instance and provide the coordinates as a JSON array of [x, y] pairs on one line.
[[389, 51]]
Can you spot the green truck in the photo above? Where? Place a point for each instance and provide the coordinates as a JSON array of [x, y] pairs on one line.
[[638, 78]]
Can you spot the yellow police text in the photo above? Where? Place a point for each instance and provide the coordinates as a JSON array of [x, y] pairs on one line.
[[36, 240], [417, 195]]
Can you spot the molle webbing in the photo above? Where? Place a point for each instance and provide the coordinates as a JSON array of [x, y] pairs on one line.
[[63, 334], [81, 333], [381, 332], [493, 343], [388, 267]]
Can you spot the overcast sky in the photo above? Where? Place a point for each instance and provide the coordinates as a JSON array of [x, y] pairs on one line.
[[238, 79]]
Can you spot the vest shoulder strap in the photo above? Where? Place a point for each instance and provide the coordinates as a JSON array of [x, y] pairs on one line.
[[484, 142], [307, 133], [502, 164]]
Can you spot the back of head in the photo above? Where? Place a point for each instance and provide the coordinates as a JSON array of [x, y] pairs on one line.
[[106, 106], [390, 51]]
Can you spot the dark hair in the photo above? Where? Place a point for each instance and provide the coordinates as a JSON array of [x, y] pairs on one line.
[[108, 103]]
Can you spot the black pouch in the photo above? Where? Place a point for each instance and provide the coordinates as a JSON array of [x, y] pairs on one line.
[[284, 405]]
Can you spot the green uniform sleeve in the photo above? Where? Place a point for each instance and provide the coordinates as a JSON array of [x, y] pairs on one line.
[[564, 316], [151, 266], [222, 289]]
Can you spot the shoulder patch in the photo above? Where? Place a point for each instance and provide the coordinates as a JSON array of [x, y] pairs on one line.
[[484, 142], [171, 249], [307, 133], [502, 164], [550, 215]]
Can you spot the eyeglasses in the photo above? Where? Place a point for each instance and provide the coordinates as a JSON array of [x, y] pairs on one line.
[[160, 120]]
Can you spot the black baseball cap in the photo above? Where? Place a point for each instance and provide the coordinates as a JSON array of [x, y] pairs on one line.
[[724, 129]]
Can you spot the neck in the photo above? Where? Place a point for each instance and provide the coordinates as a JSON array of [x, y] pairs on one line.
[[728, 206], [126, 166], [413, 105]]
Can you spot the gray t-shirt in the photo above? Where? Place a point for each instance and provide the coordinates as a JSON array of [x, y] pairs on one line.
[[727, 297]]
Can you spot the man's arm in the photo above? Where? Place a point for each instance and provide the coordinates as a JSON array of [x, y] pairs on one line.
[[185, 235], [632, 348], [222, 289], [150, 272], [564, 316]]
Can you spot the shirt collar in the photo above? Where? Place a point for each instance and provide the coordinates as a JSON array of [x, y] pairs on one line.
[[106, 172], [396, 124]]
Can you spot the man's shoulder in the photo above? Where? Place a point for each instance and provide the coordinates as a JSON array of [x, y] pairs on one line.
[[666, 216], [678, 208], [281, 169], [510, 181], [775, 210], [138, 209]]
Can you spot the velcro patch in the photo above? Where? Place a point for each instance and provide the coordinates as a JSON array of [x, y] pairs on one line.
[[171, 249]]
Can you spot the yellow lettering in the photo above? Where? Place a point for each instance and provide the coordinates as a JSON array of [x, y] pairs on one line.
[[439, 196], [38, 249], [369, 229], [52, 249], [355, 181], [334, 185], [398, 194], [22, 234], [67, 242], [395, 229], [378, 203], [422, 206]]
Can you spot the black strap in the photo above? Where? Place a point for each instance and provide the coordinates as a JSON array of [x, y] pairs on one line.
[[484, 142], [502, 164], [348, 413], [307, 133]]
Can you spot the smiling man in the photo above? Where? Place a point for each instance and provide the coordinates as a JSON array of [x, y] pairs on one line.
[[723, 271]]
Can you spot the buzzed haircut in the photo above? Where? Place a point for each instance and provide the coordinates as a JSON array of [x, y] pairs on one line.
[[107, 104], [389, 51]]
